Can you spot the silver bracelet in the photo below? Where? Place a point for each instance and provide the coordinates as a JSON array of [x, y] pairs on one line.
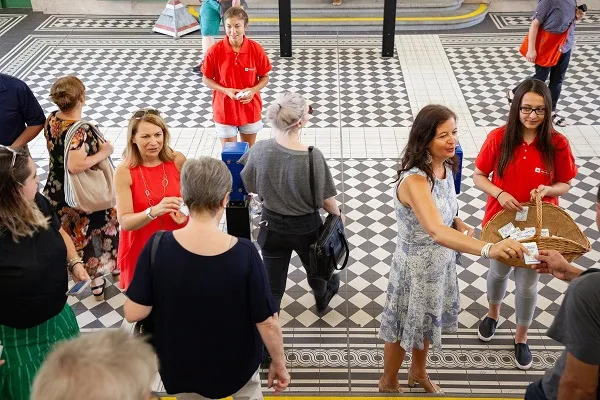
[[485, 251]]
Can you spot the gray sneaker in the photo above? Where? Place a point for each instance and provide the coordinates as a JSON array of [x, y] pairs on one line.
[[523, 356], [486, 329]]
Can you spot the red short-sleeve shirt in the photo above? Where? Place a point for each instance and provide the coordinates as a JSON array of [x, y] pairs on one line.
[[236, 71], [527, 169]]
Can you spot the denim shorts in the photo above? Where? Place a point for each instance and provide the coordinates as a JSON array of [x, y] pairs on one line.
[[229, 131]]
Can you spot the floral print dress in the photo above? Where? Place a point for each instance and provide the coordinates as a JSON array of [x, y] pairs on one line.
[[96, 235], [422, 295]]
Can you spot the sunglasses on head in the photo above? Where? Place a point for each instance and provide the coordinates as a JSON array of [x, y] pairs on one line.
[[142, 113], [14, 154]]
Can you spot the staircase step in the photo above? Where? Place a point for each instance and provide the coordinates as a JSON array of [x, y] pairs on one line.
[[347, 19], [358, 4]]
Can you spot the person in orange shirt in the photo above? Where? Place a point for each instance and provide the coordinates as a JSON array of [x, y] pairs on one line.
[[236, 69]]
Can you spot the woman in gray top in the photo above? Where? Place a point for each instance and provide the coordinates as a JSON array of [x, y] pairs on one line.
[[278, 171]]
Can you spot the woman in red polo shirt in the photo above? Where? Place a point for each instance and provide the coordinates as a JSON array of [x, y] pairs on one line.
[[526, 156], [236, 69]]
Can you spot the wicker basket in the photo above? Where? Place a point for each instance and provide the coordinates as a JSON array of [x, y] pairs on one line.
[[568, 239]]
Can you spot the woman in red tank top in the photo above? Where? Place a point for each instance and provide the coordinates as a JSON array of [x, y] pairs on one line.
[[147, 187]]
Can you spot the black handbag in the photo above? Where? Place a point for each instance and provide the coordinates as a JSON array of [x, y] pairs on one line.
[[331, 245], [145, 327]]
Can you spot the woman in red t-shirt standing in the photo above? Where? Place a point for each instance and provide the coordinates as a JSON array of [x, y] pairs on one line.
[[525, 157], [236, 69]]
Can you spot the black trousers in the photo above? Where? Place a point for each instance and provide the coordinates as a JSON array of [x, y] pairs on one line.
[[535, 392], [557, 76], [278, 237]]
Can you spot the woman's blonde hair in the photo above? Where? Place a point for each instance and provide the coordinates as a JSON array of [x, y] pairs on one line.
[[286, 111], [19, 216], [66, 92], [132, 155], [95, 366]]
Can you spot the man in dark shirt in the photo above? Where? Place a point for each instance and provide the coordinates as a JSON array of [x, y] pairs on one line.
[[576, 375], [554, 16], [21, 116]]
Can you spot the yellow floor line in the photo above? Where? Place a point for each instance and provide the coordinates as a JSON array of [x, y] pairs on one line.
[[482, 8], [361, 398]]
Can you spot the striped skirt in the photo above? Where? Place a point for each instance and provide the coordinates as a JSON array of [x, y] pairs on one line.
[[26, 349]]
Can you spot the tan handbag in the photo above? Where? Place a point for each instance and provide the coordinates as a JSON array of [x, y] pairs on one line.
[[91, 190], [566, 237]]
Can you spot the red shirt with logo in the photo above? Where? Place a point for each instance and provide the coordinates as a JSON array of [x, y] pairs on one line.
[[527, 169], [236, 71]]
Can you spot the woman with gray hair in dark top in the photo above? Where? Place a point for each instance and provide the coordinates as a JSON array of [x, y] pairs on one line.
[[209, 297], [278, 171]]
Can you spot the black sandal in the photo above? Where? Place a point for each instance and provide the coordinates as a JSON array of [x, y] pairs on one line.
[[99, 296], [116, 274], [559, 121]]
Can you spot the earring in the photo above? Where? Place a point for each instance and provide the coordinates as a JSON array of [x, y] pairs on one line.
[[428, 158]]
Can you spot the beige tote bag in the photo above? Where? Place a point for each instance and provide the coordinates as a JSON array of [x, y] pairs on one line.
[[91, 190]]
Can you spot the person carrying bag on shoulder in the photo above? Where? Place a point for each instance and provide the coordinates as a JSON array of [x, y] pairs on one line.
[[278, 170], [549, 44]]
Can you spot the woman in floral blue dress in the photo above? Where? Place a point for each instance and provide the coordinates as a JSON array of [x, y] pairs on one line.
[[422, 295]]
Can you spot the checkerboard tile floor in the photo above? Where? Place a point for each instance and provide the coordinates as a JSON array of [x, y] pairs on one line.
[[364, 107], [371, 232], [97, 23], [313, 341], [485, 73], [121, 80], [522, 21]]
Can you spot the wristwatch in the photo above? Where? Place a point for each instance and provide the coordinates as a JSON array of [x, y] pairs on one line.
[[148, 213]]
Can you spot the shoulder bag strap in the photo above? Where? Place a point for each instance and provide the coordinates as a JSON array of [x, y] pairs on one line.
[[69, 137], [154, 249], [312, 176]]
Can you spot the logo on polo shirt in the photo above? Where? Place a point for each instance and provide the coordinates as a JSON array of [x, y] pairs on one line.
[[249, 69], [541, 171]]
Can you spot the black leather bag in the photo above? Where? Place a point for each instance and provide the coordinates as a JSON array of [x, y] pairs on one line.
[[145, 327], [331, 245]]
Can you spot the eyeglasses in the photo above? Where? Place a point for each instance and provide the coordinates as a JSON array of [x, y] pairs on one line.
[[528, 110], [141, 113], [309, 112], [14, 154]]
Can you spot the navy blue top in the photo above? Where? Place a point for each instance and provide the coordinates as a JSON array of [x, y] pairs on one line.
[[205, 310], [18, 109]]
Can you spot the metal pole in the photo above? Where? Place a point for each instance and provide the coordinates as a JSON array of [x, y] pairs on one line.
[[389, 28], [285, 28]]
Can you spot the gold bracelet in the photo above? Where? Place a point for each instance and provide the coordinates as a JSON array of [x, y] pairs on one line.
[[72, 262]]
